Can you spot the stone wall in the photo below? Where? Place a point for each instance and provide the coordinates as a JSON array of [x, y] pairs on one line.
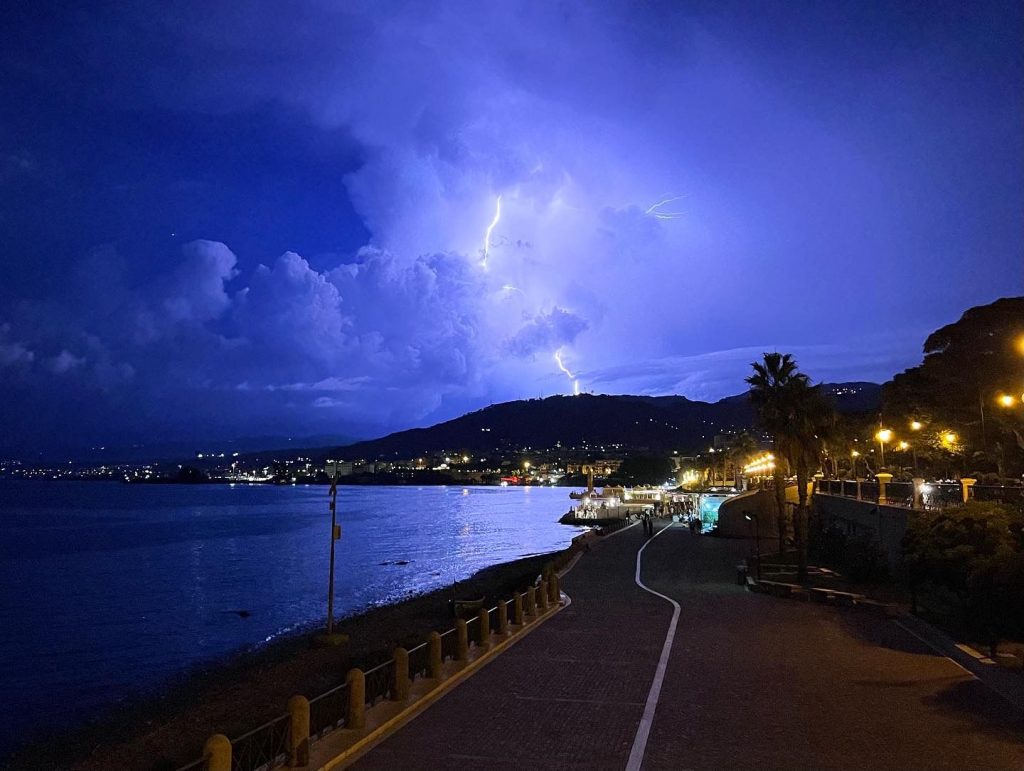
[[886, 523]]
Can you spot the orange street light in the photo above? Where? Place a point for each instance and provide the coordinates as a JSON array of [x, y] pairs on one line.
[[916, 425], [1005, 400], [904, 445], [884, 435]]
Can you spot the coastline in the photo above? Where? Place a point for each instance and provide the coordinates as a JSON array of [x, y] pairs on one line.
[[234, 694]]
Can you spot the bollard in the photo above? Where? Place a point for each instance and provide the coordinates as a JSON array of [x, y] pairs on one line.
[[883, 478], [400, 675], [967, 484], [356, 715], [531, 602], [502, 617], [217, 751], [556, 593], [517, 609], [484, 628], [462, 633], [542, 597], [435, 655], [298, 734]]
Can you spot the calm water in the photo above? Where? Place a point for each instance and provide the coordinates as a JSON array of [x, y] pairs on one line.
[[111, 589]]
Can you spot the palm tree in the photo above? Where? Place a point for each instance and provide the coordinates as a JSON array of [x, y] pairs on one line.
[[774, 389], [742, 448]]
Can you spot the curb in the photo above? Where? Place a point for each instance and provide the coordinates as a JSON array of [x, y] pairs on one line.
[[824, 595]]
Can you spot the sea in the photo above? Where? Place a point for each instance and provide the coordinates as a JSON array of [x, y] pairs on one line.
[[109, 591]]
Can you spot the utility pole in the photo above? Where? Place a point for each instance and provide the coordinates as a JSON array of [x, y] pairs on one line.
[[335, 535]]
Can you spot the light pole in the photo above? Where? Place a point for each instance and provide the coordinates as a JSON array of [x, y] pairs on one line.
[[331, 638], [883, 436], [757, 541]]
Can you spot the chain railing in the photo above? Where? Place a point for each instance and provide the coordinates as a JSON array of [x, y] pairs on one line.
[[327, 711], [262, 748]]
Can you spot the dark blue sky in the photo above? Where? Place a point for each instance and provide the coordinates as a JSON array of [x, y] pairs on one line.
[[240, 219]]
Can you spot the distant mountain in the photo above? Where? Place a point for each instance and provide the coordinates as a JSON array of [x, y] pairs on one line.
[[653, 422]]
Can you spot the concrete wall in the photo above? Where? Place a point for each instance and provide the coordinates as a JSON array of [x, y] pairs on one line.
[[886, 523], [732, 520]]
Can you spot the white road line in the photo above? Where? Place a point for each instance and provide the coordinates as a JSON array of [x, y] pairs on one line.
[[643, 731]]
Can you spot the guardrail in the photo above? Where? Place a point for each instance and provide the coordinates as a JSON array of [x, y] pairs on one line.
[[277, 743], [929, 496]]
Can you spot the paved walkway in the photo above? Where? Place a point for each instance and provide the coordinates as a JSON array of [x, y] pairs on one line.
[[751, 682]]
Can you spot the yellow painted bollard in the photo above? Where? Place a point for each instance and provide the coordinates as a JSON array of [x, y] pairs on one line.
[[298, 733], [462, 641], [483, 619], [517, 609], [531, 602], [435, 655], [356, 715], [217, 751], [502, 617], [542, 596], [400, 675]]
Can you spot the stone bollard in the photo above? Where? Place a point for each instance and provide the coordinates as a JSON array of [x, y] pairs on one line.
[[356, 715], [400, 675], [502, 617], [554, 594], [483, 619], [435, 655], [517, 609], [883, 478], [967, 483], [859, 494], [298, 734], [217, 751], [462, 641], [531, 603], [918, 493], [542, 597]]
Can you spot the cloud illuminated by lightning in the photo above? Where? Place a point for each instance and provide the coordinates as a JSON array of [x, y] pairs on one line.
[[656, 211], [565, 369], [490, 229]]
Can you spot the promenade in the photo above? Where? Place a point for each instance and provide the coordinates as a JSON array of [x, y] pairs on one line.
[[750, 681]]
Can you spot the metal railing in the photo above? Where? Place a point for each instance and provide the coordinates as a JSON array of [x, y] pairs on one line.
[[378, 682], [327, 711], [419, 661], [262, 748], [449, 645]]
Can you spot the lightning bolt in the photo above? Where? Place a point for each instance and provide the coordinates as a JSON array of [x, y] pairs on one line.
[[655, 210], [565, 369], [490, 229]]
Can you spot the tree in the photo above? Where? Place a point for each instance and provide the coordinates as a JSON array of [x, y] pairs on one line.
[[772, 388], [645, 470]]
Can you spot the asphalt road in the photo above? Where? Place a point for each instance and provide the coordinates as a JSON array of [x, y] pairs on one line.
[[751, 682]]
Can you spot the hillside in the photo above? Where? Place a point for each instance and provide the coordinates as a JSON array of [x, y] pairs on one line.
[[653, 422]]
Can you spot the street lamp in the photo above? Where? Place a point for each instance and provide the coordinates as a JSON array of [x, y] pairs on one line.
[[1005, 400], [884, 435], [916, 425], [853, 461]]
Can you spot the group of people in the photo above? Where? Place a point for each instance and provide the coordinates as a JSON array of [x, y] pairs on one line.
[[684, 512]]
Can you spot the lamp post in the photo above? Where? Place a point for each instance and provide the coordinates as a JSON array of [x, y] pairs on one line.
[[883, 436], [335, 535], [757, 541]]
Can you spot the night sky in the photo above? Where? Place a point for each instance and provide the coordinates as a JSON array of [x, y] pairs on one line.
[[236, 219]]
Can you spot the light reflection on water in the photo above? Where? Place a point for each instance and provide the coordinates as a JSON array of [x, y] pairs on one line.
[[107, 589]]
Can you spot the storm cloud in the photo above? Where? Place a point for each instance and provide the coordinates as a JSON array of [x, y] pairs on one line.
[[255, 218]]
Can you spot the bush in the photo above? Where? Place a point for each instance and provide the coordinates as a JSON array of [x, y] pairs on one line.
[[975, 556]]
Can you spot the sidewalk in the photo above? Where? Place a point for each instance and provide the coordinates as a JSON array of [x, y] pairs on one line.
[[751, 682]]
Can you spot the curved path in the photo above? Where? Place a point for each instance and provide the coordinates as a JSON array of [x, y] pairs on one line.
[[749, 682]]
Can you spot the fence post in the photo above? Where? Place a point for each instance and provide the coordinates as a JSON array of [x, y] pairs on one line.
[[462, 635], [542, 596], [502, 617], [400, 675], [484, 628], [918, 493], [435, 655], [883, 478], [298, 731], [860, 497], [967, 483], [517, 609], [356, 716], [218, 753], [555, 594], [531, 598]]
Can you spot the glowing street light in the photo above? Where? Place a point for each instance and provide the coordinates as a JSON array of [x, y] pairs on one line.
[[904, 446], [1005, 400], [884, 435], [949, 439], [916, 425]]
